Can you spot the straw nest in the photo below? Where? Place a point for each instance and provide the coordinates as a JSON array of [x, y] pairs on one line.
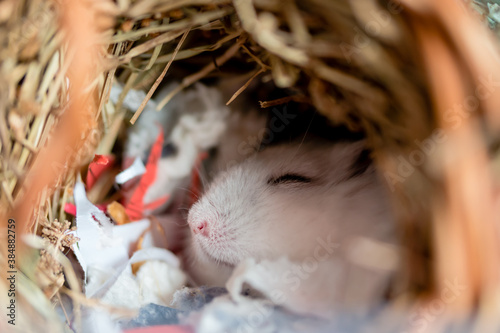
[[395, 70]]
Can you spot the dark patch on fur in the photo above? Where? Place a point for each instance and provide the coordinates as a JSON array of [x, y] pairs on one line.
[[361, 164]]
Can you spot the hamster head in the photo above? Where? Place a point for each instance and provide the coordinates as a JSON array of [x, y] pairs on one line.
[[282, 200]]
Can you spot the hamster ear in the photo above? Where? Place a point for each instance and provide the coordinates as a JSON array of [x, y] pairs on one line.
[[361, 163], [356, 158]]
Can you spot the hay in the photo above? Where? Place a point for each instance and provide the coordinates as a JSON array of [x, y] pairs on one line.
[[392, 70]]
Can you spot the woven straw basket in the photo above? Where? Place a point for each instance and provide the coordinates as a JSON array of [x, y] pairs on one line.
[[420, 78]]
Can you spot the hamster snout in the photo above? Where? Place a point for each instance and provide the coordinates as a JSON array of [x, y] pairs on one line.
[[201, 228], [281, 202]]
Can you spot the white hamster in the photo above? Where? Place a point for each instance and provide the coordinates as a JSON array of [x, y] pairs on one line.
[[279, 201]]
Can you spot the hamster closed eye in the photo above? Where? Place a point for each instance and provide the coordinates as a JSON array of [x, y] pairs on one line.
[[289, 178], [279, 201]]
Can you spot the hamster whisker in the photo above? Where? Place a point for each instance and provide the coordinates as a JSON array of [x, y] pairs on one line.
[[196, 195], [303, 138], [201, 174]]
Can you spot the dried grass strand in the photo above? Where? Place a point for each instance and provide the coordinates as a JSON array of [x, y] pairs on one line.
[[189, 80], [158, 80]]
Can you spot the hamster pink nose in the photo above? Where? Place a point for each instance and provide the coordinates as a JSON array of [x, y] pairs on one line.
[[201, 228]]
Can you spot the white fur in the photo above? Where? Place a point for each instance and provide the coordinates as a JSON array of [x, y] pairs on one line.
[[249, 218]]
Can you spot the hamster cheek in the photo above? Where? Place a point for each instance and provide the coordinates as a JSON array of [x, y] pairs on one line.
[[296, 231]]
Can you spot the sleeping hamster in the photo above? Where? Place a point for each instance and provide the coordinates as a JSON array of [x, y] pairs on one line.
[[279, 201]]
